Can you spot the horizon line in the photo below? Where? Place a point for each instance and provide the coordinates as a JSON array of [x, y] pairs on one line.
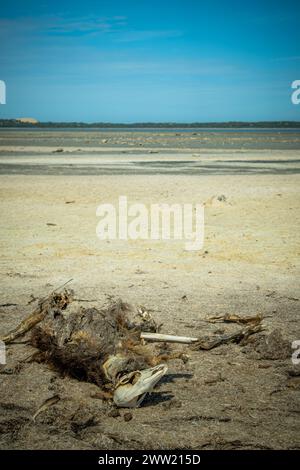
[[23, 122]]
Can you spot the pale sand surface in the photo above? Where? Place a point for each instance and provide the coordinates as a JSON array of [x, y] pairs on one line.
[[252, 238], [224, 398]]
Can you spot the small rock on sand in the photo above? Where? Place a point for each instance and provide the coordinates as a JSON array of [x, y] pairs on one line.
[[127, 417]]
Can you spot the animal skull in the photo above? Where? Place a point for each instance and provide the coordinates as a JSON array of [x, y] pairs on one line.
[[132, 388]]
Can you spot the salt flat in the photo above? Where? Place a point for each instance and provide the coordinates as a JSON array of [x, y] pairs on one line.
[[224, 398]]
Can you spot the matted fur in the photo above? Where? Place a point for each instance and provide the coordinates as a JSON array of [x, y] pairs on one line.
[[80, 342]]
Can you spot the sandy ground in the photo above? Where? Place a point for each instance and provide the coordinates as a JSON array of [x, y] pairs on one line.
[[231, 397]]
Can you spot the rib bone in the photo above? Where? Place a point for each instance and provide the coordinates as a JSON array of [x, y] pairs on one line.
[[168, 338]]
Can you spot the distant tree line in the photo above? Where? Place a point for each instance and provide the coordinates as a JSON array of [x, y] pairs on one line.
[[153, 125]]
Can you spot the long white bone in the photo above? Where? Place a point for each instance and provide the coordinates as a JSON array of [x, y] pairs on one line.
[[168, 338]]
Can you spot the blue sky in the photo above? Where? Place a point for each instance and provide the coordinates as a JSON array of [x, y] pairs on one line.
[[130, 61]]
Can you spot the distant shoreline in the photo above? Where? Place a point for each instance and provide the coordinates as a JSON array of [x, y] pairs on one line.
[[8, 123]]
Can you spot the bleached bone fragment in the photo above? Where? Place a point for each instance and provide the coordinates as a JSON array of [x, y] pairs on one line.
[[168, 338]]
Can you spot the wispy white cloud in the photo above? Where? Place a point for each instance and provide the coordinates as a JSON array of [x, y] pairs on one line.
[[85, 25], [172, 67], [286, 59], [51, 24], [120, 18], [145, 35]]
